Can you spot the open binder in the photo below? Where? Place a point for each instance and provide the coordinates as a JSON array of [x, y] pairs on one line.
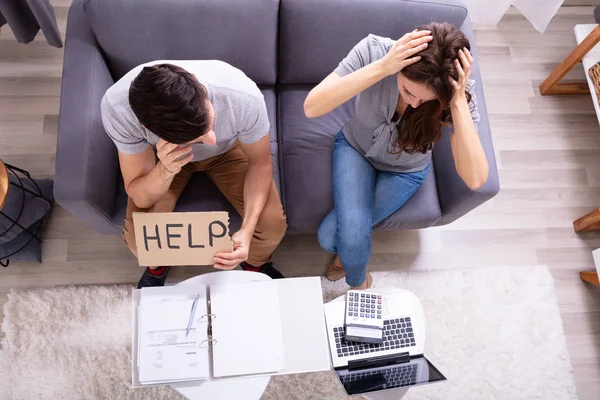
[[244, 329]]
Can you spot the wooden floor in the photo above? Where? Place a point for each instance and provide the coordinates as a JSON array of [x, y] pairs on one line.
[[547, 149]]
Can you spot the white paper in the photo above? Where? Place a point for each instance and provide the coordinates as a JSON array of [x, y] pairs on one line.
[[303, 325], [246, 329], [166, 351]]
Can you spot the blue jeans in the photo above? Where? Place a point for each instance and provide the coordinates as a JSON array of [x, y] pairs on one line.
[[362, 197]]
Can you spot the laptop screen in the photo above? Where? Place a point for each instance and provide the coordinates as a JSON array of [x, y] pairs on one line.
[[417, 371]]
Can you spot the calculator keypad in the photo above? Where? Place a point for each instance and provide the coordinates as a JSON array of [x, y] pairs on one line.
[[364, 305]]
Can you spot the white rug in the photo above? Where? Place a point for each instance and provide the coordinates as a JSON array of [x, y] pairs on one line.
[[496, 333]]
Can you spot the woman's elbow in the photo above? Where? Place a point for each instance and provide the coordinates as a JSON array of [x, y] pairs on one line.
[[308, 111], [476, 181], [313, 105], [309, 108]]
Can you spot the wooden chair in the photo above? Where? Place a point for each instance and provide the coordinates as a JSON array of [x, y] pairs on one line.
[[551, 86]]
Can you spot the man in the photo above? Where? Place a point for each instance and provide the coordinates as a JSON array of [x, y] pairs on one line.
[[171, 119]]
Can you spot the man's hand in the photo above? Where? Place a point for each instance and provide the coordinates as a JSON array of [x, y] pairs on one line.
[[241, 245], [172, 156], [401, 54], [463, 68]]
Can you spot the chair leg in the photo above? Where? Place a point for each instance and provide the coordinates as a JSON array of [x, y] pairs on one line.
[[552, 84], [589, 222], [590, 277]]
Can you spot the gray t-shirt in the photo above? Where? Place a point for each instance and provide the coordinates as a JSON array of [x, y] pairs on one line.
[[371, 129], [240, 110]]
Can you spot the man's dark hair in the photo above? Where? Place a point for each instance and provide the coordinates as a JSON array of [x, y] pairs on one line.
[[170, 102]]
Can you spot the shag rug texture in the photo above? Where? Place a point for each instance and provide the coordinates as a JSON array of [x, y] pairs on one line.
[[496, 333]]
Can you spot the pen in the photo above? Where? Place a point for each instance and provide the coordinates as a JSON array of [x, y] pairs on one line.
[[192, 314]]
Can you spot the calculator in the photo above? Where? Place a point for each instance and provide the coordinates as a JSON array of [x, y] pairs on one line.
[[364, 316]]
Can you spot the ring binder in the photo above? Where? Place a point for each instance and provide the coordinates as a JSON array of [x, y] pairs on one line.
[[212, 343], [203, 356], [166, 352]]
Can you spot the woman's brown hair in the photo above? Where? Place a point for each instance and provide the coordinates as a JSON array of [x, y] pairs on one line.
[[421, 127]]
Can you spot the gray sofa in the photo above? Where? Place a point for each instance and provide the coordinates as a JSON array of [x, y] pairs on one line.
[[286, 47]]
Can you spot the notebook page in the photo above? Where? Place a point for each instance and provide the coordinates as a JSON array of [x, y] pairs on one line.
[[167, 352], [246, 328]]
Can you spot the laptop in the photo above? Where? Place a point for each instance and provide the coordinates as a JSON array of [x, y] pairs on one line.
[[398, 363]]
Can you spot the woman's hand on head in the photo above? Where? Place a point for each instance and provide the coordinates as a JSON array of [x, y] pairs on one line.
[[463, 68], [404, 50]]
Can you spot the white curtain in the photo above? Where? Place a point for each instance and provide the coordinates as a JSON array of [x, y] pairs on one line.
[[489, 12]]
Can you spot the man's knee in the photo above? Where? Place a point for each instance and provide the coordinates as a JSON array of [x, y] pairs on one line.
[[129, 236], [272, 223], [278, 224]]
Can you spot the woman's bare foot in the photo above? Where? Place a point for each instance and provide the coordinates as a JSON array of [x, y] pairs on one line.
[[366, 284]]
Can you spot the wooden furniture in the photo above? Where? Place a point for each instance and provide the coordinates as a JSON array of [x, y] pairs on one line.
[[588, 35], [587, 223], [590, 277], [4, 184]]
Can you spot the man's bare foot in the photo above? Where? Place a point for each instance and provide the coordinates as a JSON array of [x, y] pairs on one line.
[[366, 284]]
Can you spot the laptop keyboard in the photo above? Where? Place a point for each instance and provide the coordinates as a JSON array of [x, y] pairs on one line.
[[403, 375], [397, 333]]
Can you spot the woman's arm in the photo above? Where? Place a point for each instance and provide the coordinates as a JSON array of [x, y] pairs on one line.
[[469, 156], [335, 90]]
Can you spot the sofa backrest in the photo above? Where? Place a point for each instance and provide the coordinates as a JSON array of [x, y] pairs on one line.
[[242, 33], [315, 35]]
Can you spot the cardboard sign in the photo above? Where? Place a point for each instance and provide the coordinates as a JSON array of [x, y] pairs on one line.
[[187, 238]]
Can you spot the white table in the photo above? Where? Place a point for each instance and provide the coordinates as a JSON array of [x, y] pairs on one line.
[[591, 58], [588, 60], [247, 388], [391, 393]]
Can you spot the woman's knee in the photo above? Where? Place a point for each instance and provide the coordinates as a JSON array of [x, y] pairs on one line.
[[326, 239], [326, 233], [355, 234]]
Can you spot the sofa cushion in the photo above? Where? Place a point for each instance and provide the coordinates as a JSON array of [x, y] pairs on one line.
[[315, 35], [201, 194], [306, 158], [305, 148], [456, 199], [241, 33]]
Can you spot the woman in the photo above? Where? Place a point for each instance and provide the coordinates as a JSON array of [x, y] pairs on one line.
[[405, 90]]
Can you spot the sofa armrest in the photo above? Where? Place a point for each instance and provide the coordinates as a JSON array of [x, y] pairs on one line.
[[456, 199], [87, 164]]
